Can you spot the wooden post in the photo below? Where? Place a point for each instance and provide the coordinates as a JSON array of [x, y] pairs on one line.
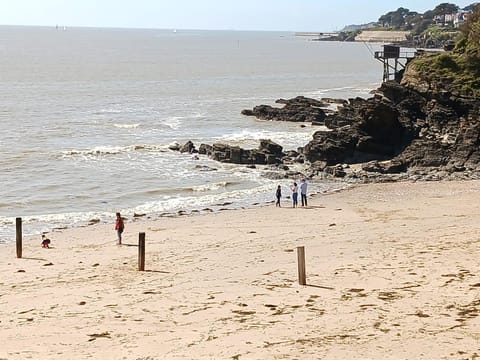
[[19, 237], [302, 275], [141, 251]]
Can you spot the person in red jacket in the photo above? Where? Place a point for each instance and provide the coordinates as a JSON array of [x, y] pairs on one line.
[[119, 226]]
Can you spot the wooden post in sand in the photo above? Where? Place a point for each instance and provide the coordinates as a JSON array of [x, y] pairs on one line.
[[141, 251], [302, 275], [19, 237]]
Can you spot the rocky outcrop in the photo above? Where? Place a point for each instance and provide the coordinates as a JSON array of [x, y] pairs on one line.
[[268, 152], [362, 130], [299, 109], [414, 131], [188, 148], [402, 129]]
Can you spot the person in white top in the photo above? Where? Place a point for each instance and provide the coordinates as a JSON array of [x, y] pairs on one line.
[[303, 192], [294, 189]]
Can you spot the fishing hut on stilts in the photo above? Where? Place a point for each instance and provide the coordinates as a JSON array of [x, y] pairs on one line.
[[394, 61]]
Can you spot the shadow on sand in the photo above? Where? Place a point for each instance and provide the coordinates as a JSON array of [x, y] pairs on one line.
[[30, 258], [320, 287]]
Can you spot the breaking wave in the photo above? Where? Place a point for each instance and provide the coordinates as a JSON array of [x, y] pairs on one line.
[[113, 150]]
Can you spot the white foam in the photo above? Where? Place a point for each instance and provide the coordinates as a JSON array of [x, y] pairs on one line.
[[126, 126], [112, 150], [252, 137], [108, 111], [211, 186], [343, 92], [260, 192], [237, 198], [173, 122]]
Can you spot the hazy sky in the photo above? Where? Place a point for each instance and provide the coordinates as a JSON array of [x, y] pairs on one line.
[[288, 15]]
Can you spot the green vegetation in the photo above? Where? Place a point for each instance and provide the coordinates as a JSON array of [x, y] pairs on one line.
[[432, 29], [457, 71]]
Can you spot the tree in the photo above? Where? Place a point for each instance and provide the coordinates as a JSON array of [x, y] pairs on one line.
[[470, 7], [445, 8], [428, 15], [421, 26], [468, 47], [412, 19], [395, 19], [471, 32]]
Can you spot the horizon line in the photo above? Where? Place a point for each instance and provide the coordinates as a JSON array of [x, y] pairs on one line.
[[160, 28]]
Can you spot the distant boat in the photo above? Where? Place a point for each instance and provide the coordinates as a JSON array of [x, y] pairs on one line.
[[174, 30]]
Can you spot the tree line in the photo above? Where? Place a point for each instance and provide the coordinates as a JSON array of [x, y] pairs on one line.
[[404, 19]]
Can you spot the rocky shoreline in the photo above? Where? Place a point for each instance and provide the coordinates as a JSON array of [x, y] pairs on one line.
[[403, 132]]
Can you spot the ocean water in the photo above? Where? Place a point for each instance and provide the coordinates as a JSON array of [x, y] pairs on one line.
[[87, 116]]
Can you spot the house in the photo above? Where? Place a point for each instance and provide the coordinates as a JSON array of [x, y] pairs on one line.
[[460, 18], [454, 19]]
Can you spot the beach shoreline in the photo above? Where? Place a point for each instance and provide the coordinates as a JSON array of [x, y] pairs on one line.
[[31, 228], [391, 269]]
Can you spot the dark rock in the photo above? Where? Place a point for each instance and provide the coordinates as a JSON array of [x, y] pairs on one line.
[[416, 130], [204, 168], [331, 146], [268, 152], [205, 149], [400, 125], [336, 171], [291, 153], [301, 101], [299, 109], [336, 121], [319, 165], [334, 101], [269, 147], [188, 148], [273, 175]]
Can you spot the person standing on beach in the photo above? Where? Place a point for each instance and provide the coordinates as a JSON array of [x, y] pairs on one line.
[[278, 195], [119, 226], [303, 192], [294, 188]]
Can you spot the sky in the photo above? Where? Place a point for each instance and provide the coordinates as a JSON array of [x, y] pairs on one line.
[[270, 15]]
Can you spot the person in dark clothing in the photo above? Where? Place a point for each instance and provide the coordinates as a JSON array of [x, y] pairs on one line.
[[278, 195], [303, 192]]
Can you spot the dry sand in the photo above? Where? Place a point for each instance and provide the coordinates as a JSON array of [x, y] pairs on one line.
[[393, 272]]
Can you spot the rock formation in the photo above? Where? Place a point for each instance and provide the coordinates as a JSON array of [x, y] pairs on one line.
[[299, 109], [268, 152], [426, 127]]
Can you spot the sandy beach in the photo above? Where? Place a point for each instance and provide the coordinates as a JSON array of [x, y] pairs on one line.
[[393, 272]]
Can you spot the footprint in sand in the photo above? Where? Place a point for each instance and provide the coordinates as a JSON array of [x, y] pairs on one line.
[[389, 295], [350, 293]]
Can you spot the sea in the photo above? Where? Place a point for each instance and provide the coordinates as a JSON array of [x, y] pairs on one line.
[[87, 116]]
